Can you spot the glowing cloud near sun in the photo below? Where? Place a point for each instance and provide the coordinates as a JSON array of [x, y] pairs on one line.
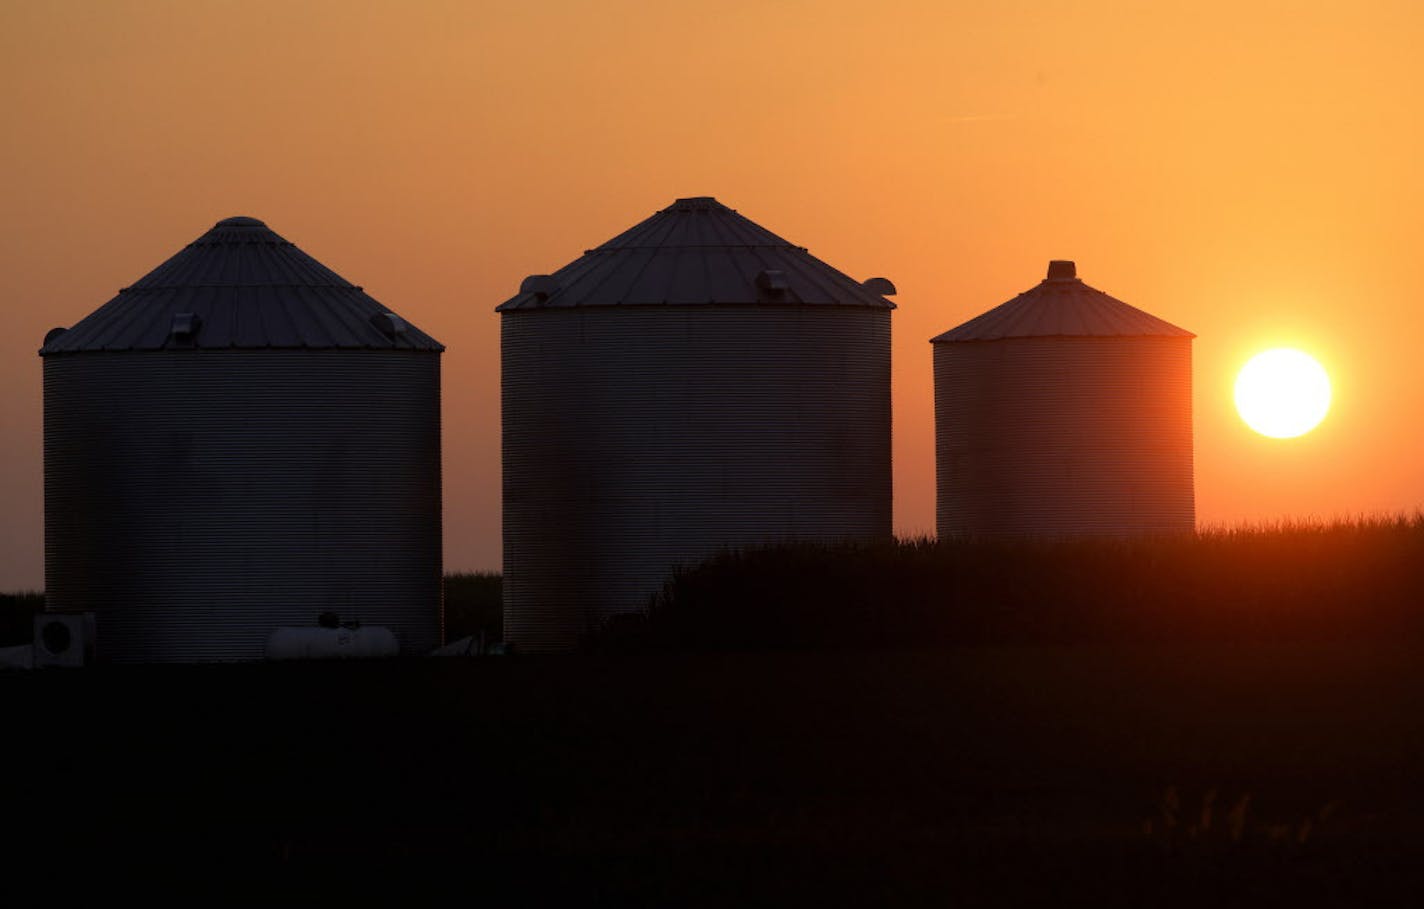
[[1282, 393]]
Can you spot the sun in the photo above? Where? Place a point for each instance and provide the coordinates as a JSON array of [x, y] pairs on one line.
[[1282, 393]]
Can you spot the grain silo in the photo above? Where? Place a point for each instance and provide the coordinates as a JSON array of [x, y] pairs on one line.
[[694, 383], [239, 441], [1063, 412]]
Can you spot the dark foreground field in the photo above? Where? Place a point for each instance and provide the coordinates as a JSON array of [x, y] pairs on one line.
[[1017, 776]]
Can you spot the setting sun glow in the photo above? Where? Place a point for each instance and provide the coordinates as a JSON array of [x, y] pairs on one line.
[[1255, 179], [1282, 393]]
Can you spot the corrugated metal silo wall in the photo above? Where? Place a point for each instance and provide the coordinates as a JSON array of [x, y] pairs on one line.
[[195, 500], [643, 437], [1063, 437]]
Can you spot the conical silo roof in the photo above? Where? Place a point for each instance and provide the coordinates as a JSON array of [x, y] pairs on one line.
[[697, 251], [1063, 306], [240, 285]]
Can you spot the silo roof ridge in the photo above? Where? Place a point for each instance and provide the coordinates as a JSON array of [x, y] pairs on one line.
[[1062, 306], [249, 287], [676, 246], [696, 251], [237, 284]]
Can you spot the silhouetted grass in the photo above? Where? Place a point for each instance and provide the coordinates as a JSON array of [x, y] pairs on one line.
[[1284, 582], [1025, 775], [993, 776], [17, 616], [473, 606]]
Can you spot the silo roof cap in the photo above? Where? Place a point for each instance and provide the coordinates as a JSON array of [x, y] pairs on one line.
[[697, 251], [1061, 305], [239, 286]]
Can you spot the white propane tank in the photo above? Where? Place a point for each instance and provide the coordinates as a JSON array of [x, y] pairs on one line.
[[363, 642]]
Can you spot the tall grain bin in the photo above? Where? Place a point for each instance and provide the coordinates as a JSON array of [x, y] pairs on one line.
[[1063, 412], [239, 441], [694, 383]]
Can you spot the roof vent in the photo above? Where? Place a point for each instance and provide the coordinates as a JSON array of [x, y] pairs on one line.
[[52, 334], [240, 221], [882, 286], [696, 203], [184, 327], [772, 281], [1062, 270], [541, 286], [388, 324]]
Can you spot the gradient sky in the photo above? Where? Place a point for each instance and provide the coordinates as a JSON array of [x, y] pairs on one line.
[[1249, 171]]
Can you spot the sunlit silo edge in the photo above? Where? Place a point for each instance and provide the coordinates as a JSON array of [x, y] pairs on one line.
[[1064, 412]]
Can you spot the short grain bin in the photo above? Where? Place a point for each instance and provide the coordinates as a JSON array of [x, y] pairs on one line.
[[695, 383], [1063, 412], [241, 441]]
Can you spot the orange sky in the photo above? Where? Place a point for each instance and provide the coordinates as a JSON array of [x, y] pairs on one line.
[[1250, 174]]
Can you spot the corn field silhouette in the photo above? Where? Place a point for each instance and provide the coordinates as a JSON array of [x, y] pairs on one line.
[[1343, 580]]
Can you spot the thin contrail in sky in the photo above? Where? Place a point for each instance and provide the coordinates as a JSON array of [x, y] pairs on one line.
[[976, 118]]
